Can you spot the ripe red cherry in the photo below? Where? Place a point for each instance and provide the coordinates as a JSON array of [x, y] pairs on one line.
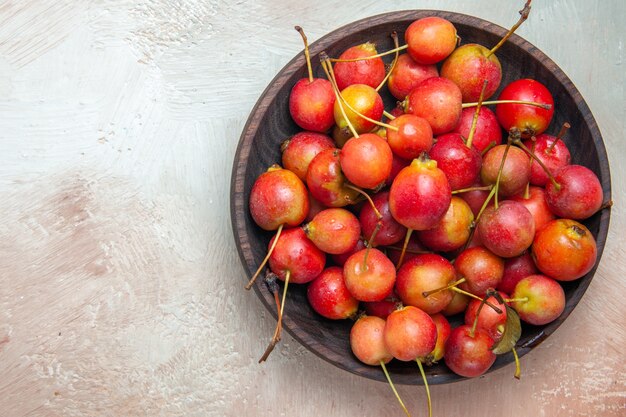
[[469, 66], [508, 230], [420, 195], [564, 250], [579, 194], [366, 160], [366, 71], [424, 273], [363, 99], [366, 341], [489, 320], [410, 334], [326, 181], [487, 131], [545, 299], [297, 256], [528, 119], [311, 104], [371, 278], [453, 229], [460, 163], [515, 172], [536, 204], [438, 100], [413, 136], [553, 157], [329, 296], [469, 355], [443, 333], [480, 268], [278, 197], [406, 74], [301, 148], [430, 39], [390, 231], [334, 230], [515, 269]]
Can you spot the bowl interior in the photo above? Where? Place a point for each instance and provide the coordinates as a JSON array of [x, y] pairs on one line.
[[270, 123]]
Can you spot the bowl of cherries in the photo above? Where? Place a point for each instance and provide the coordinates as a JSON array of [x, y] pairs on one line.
[[420, 197]]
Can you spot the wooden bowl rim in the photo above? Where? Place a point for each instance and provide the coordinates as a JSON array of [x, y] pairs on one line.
[[242, 155]]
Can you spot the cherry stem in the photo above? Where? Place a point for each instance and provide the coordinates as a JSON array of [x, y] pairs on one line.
[[345, 102], [378, 224], [484, 206], [530, 103], [279, 323], [606, 205], [469, 294], [267, 257], [430, 406], [426, 294], [516, 300], [389, 52], [368, 198], [328, 69], [393, 388], [487, 148], [519, 143], [514, 131], [475, 118], [562, 132], [518, 367], [480, 307], [413, 251], [406, 243], [394, 36], [466, 190], [388, 115], [523, 16], [306, 52]]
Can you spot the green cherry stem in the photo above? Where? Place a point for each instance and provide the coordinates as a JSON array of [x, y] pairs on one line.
[[388, 115], [307, 56], [519, 143], [394, 36], [523, 16], [430, 406], [393, 388], [267, 257], [470, 137], [530, 103], [389, 52]]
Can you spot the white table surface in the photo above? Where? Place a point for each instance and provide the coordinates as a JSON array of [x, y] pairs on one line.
[[120, 285]]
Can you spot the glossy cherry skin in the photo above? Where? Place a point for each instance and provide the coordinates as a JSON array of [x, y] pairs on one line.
[[508, 230], [406, 74], [367, 342], [311, 104], [579, 194], [414, 136], [481, 269], [366, 71], [489, 319], [552, 157], [329, 296], [334, 230], [546, 299], [430, 39], [420, 195], [363, 99], [460, 163], [390, 231], [487, 131], [327, 182], [425, 273], [301, 148], [366, 160], [410, 334], [515, 172], [528, 119], [278, 197], [564, 250], [536, 204], [453, 229], [443, 333], [469, 356], [372, 280], [515, 269], [438, 100], [468, 67], [294, 252]]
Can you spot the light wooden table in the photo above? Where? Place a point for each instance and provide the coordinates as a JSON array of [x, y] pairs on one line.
[[120, 287]]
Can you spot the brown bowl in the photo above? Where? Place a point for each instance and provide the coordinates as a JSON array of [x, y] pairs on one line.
[[270, 123]]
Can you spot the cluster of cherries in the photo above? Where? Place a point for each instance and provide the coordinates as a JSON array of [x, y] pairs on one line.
[[431, 213]]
